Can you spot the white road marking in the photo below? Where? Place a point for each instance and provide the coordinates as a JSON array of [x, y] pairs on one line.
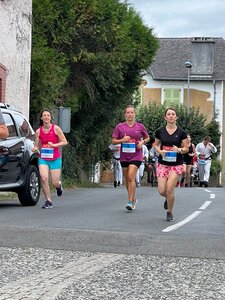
[[206, 204], [181, 223], [192, 216]]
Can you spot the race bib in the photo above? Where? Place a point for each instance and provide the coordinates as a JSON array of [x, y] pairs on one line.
[[202, 161], [47, 152], [170, 156], [129, 147]]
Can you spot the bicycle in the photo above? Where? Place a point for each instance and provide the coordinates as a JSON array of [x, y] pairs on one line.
[[194, 179]]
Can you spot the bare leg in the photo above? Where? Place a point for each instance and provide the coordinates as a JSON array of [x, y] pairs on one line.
[[131, 185], [44, 174], [55, 176], [130, 174], [170, 186], [166, 188]]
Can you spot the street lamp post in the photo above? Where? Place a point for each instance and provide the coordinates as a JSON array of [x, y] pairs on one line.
[[188, 65]]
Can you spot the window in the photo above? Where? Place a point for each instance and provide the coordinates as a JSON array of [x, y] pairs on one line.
[[10, 124], [24, 127], [171, 96]]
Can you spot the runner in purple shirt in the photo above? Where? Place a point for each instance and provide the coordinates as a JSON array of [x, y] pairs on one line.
[[131, 135]]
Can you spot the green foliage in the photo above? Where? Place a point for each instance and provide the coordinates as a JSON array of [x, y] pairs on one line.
[[193, 123], [213, 130], [216, 166]]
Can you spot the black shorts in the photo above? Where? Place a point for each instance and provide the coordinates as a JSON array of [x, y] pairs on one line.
[[125, 164]]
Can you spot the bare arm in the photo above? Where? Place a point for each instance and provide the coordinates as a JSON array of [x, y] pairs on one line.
[[184, 147], [115, 141], [4, 133], [62, 138], [157, 146]]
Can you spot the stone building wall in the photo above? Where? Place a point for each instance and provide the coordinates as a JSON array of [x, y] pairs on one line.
[[15, 52]]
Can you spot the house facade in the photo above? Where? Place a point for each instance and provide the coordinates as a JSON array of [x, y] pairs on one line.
[[190, 71], [15, 53]]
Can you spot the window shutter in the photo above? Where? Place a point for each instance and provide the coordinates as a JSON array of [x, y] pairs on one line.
[[172, 96]]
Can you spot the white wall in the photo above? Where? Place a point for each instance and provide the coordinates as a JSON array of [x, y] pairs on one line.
[[15, 50]]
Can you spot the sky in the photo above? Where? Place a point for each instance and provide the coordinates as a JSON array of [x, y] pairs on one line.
[[183, 18]]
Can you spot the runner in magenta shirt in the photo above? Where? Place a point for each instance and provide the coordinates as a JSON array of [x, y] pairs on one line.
[[48, 139], [132, 136]]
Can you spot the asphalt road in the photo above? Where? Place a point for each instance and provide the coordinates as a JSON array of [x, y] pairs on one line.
[[90, 247]]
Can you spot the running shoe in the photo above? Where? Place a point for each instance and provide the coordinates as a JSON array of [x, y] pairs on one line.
[[47, 204], [169, 217], [165, 205], [134, 203], [59, 190], [129, 205]]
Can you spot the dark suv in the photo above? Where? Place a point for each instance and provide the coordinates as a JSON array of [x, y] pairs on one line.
[[18, 164]]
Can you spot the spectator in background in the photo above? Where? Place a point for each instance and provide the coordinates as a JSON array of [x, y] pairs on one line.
[[140, 171], [152, 164], [117, 169], [4, 133], [188, 162], [204, 152]]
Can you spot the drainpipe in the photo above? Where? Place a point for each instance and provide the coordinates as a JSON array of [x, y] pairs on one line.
[[214, 116], [214, 98]]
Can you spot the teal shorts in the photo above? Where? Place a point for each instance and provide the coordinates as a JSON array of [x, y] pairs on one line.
[[52, 164]]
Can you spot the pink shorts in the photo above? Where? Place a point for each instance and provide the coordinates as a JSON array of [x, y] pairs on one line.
[[163, 170]]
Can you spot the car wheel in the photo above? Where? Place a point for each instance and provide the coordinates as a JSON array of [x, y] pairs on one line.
[[29, 194]]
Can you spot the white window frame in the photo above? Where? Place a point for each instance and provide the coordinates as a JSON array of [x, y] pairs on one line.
[[172, 87]]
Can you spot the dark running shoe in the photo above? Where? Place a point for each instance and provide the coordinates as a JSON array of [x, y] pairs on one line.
[[47, 204], [165, 205], [206, 184], [129, 205], [59, 190], [118, 183], [115, 184], [169, 217]]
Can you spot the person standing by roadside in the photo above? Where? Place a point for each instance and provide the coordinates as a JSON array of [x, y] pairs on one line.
[[48, 139], [117, 169], [140, 171], [4, 133], [171, 143], [204, 151], [188, 162], [132, 136]]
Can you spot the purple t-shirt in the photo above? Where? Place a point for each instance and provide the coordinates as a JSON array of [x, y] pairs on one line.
[[129, 150]]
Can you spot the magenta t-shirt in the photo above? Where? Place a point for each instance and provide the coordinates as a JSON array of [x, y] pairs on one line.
[[48, 153], [129, 150]]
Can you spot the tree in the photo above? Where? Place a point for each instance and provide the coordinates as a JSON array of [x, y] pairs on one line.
[[89, 55]]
